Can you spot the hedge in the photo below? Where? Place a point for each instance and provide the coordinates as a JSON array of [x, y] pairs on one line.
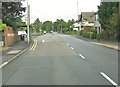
[[86, 34], [93, 36], [81, 32], [98, 37]]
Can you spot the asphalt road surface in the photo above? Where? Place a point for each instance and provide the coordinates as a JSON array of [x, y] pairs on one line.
[[56, 59]]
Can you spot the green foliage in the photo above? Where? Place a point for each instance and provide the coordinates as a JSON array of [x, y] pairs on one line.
[[70, 23], [81, 32], [105, 35], [60, 23], [23, 28], [93, 29], [47, 26], [37, 25], [86, 34], [93, 36], [0, 22], [66, 30], [108, 17], [98, 37], [70, 32], [12, 12], [4, 26]]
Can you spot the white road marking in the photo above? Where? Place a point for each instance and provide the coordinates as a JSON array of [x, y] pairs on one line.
[[72, 48], [108, 78], [43, 41], [81, 56], [67, 44], [5, 63]]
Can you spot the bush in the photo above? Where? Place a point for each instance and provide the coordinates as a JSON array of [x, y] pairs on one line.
[[98, 36], [104, 35], [70, 32], [65, 30], [93, 36], [86, 34], [0, 22], [81, 32], [4, 26]]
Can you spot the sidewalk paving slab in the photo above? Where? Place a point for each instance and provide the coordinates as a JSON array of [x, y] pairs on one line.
[[9, 52]]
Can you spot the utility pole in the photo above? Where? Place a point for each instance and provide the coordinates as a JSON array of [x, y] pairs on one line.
[[79, 28], [0, 10], [78, 10], [28, 22]]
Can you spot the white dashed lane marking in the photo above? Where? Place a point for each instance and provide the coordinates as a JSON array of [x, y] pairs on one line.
[[72, 48], [109, 79], [81, 56]]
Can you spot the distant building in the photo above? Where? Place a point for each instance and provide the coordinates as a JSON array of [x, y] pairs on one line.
[[89, 20]]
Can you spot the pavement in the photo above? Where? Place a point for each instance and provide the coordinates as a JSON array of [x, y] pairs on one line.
[[108, 44], [9, 52], [56, 59]]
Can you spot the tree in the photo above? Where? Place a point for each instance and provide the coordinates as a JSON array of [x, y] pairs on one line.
[[108, 17], [47, 26], [56, 26], [12, 12], [70, 23], [37, 25], [2, 26], [60, 23]]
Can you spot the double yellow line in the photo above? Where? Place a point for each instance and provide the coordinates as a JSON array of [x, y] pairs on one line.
[[34, 45]]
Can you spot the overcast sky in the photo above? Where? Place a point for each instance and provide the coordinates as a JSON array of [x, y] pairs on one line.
[[60, 9]]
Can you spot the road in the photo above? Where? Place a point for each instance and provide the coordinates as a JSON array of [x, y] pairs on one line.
[[56, 59]]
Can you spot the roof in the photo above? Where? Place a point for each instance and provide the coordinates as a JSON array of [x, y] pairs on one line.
[[88, 16]]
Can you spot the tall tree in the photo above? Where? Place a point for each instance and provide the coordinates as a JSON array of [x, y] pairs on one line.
[[70, 23], [47, 26], [108, 17], [12, 12], [37, 25]]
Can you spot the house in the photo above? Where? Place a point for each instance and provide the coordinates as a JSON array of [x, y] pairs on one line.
[[89, 20]]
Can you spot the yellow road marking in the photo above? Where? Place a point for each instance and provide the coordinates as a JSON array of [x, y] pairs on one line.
[[35, 45], [32, 46]]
